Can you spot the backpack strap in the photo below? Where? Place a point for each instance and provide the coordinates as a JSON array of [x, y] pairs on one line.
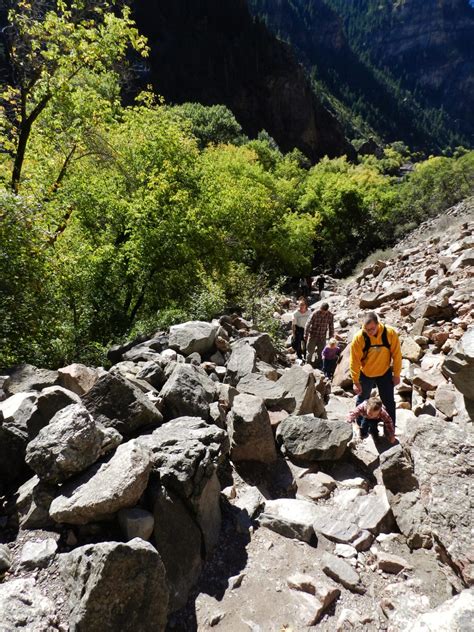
[[368, 344], [385, 337]]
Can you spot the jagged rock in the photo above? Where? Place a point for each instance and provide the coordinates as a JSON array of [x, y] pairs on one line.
[[136, 523], [33, 502], [341, 572], [152, 373], [242, 362], [141, 353], [315, 486], [336, 525], [320, 595], [38, 554], [391, 563], [465, 260], [370, 301], [411, 518], [459, 365], [289, 517], [442, 462], [250, 431], [114, 401], [432, 309], [193, 337], [346, 551], [411, 350], [302, 386], [428, 381], [16, 411], [5, 558], [342, 374], [372, 512], [397, 470], [338, 408], [27, 377], [185, 452], [12, 452], [50, 401], [445, 400], [78, 378], [393, 293], [188, 392], [23, 606], [179, 543], [306, 438], [263, 346], [115, 586], [274, 394], [105, 488], [70, 443], [454, 615]]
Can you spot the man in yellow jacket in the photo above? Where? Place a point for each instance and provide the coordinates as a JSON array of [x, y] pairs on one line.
[[376, 360]]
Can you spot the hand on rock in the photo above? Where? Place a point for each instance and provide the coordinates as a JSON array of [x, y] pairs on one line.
[[357, 388]]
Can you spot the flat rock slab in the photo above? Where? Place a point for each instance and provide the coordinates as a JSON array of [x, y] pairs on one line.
[[193, 337], [341, 572], [454, 615], [290, 517], [38, 554], [336, 525], [105, 488], [391, 563]]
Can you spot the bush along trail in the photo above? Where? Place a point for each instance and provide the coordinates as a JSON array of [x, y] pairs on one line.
[[207, 480]]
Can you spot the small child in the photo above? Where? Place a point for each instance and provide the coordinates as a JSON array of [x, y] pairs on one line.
[[368, 414], [330, 355]]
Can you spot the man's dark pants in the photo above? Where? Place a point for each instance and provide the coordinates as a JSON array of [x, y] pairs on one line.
[[385, 387]]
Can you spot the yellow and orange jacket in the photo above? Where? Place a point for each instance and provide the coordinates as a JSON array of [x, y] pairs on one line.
[[379, 358]]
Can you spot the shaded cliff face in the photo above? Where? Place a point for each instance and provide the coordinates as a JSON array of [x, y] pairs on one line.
[[428, 45], [211, 51]]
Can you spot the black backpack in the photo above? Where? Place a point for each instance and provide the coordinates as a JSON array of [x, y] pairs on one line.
[[368, 344]]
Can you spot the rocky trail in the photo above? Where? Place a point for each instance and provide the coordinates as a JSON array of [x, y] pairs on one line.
[[206, 481]]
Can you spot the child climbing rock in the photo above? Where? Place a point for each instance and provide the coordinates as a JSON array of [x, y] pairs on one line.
[[368, 414]]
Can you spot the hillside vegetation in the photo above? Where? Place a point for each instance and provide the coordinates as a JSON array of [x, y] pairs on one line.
[[117, 219]]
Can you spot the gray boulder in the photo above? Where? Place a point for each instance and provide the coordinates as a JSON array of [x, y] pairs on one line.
[[242, 362], [24, 607], [459, 365], [193, 337], [152, 373], [308, 439], [179, 542], [188, 392], [27, 377], [442, 456], [185, 453], [274, 394], [250, 431], [51, 400], [263, 346], [454, 615], [105, 488], [412, 518], [33, 501], [136, 523], [38, 554], [6, 558], [302, 386], [70, 443], [397, 470], [290, 517], [341, 572], [114, 401], [115, 586]]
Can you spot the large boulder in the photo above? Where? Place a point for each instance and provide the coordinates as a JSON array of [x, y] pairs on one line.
[[13, 440], [442, 456], [263, 345], [185, 453], [115, 586], [308, 439], [114, 401], [302, 386], [51, 400], [179, 542], [104, 488], [24, 607], [459, 365], [275, 394], [78, 378], [397, 470], [188, 392], [27, 377], [342, 374], [250, 431], [242, 362], [70, 443], [193, 337]]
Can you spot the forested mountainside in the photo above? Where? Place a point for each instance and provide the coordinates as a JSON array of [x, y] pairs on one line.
[[212, 52], [352, 50]]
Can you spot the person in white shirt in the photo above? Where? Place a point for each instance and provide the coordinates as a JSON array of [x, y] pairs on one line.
[[300, 318]]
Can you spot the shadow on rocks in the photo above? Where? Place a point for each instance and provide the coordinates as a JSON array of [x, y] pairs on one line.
[[228, 561]]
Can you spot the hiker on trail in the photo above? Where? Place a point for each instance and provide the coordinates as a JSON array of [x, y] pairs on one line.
[[370, 413], [330, 355], [300, 318], [303, 286], [319, 324], [376, 360], [321, 281], [309, 281]]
